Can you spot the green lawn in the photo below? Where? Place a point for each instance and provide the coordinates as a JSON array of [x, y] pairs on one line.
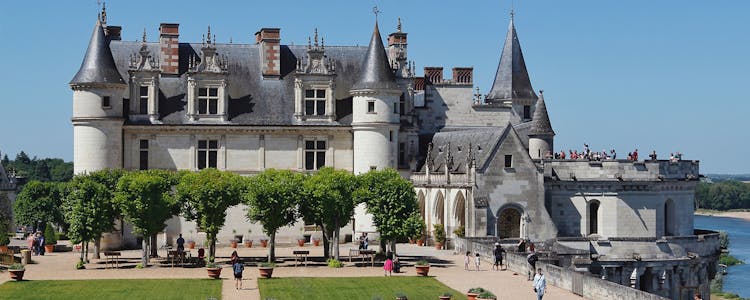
[[112, 289], [360, 288]]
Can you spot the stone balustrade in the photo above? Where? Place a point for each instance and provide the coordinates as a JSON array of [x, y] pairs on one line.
[[622, 170]]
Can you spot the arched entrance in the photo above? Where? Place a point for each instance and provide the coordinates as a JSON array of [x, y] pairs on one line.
[[459, 212], [509, 223], [594, 217], [440, 209]]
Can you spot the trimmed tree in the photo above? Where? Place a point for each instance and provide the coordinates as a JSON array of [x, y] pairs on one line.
[[328, 203], [391, 201], [205, 197], [108, 178], [272, 197], [39, 203], [90, 210], [145, 201]]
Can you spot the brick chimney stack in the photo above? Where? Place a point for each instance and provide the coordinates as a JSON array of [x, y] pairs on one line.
[[433, 75], [269, 40], [463, 75], [169, 58], [113, 32]]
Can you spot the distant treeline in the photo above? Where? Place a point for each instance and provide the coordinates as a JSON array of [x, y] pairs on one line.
[[42, 169], [723, 195]]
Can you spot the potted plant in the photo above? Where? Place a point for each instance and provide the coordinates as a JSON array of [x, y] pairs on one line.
[[16, 271], [264, 242], [423, 267], [50, 239], [266, 269], [420, 236], [191, 242], [248, 243], [401, 296], [301, 241], [446, 296], [4, 241], [214, 270], [316, 241], [439, 235], [474, 292], [487, 295]]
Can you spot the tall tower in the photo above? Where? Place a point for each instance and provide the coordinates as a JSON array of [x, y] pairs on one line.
[[97, 108], [541, 135], [375, 119], [512, 86]]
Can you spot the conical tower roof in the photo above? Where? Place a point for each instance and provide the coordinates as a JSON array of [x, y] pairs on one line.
[[540, 124], [511, 80], [98, 65], [376, 73]]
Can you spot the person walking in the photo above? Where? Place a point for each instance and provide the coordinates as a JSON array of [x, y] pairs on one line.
[[467, 258], [498, 253], [180, 244], [540, 284], [477, 261], [531, 259], [388, 265], [237, 267], [41, 244]]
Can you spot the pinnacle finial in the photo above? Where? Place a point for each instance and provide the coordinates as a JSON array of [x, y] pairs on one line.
[[144, 36], [316, 37], [309, 42], [208, 35], [376, 11], [103, 14], [322, 42], [398, 27]]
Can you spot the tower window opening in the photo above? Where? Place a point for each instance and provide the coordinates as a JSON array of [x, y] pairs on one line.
[[509, 161], [527, 112], [371, 107]]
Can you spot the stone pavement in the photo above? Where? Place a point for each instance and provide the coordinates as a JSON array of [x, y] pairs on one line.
[[447, 267]]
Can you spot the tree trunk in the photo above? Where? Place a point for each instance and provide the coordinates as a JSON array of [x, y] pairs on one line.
[[382, 245], [393, 248], [272, 249], [212, 247], [153, 247], [336, 232], [97, 244], [144, 256], [326, 242], [86, 252]]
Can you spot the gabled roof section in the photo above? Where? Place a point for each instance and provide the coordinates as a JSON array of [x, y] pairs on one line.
[[98, 65], [540, 124], [511, 80], [376, 70], [477, 144]]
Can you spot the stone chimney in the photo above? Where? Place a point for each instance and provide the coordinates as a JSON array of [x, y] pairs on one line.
[[269, 40], [113, 32], [169, 57], [433, 75], [463, 75]]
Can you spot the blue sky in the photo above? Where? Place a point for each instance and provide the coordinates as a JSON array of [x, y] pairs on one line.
[[653, 75]]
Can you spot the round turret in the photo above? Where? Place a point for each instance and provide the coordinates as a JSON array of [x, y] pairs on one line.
[[541, 135]]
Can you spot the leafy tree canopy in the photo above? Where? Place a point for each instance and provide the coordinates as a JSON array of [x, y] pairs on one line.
[[392, 202], [39, 203]]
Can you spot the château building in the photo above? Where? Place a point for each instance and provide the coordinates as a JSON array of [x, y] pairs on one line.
[[478, 162]]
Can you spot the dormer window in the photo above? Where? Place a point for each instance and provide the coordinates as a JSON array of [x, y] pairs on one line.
[[315, 102], [143, 100], [208, 101]]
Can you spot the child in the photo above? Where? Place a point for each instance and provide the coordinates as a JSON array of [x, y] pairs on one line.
[[237, 267], [388, 266], [466, 260], [476, 261]]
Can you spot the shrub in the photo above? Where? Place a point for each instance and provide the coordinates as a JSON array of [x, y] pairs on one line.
[[439, 233], [50, 238], [267, 265], [139, 266], [422, 262], [211, 265], [477, 290], [487, 295], [446, 294], [80, 265], [4, 239], [729, 260], [16, 267], [460, 231], [333, 263]]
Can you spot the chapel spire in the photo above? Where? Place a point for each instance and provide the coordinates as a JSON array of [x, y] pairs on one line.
[[512, 79], [98, 65], [376, 72]]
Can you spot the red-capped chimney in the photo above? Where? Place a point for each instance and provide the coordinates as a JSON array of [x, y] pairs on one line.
[[269, 40]]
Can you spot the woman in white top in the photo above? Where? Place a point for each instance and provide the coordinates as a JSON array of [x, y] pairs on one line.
[[540, 284]]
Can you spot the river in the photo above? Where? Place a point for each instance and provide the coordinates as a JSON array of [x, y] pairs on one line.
[[738, 279]]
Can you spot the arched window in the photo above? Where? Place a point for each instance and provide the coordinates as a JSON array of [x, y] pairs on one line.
[[594, 217]]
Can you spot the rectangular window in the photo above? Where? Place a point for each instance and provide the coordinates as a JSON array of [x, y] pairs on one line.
[[208, 101], [143, 165], [390, 136], [106, 102], [527, 112], [315, 102], [395, 108], [401, 104], [509, 161], [208, 151], [315, 154], [371, 107], [401, 154], [143, 101]]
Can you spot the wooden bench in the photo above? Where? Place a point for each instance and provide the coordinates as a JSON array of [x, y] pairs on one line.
[[363, 253], [112, 257], [299, 255], [179, 256]]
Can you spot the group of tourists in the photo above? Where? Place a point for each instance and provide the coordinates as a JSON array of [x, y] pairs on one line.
[[587, 154], [36, 243], [539, 282]]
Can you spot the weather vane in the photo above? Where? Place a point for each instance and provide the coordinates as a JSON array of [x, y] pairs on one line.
[[376, 11]]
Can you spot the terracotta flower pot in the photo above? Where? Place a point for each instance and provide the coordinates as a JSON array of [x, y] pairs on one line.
[[249, 244], [316, 242], [49, 248], [422, 270], [471, 296], [233, 244], [265, 272], [420, 243], [191, 245], [438, 246], [264, 243], [16, 274], [3, 248], [301, 242], [214, 273]]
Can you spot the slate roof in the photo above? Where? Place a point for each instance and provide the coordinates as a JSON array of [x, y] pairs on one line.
[[512, 79], [377, 71], [540, 124], [98, 66], [482, 141], [252, 99]]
